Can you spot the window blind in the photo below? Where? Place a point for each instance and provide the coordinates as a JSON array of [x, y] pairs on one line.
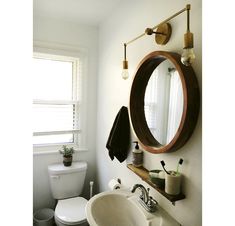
[[56, 112]]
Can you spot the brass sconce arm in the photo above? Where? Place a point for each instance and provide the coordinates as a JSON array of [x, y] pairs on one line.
[[162, 36], [188, 7]]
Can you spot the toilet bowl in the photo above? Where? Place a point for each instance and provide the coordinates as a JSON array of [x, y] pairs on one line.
[[66, 186], [71, 212]]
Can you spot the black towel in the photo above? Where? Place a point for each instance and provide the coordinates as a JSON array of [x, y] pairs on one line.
[[119, 138]]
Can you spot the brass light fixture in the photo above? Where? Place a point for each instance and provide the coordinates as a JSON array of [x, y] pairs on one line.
[[125, 73], [162, 33], [188, 55]]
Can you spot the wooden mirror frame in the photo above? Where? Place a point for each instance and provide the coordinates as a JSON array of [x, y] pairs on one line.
[[191, 102]]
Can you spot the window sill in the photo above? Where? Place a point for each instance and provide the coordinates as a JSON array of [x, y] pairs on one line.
[[53, 150]]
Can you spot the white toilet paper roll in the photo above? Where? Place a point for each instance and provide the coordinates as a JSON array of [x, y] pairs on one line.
[[114, 184]]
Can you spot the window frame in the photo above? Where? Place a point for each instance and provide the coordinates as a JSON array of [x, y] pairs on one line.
[[79, 65]]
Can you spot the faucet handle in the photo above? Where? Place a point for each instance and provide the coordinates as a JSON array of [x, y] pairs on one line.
[[152, 204], [152, 201]]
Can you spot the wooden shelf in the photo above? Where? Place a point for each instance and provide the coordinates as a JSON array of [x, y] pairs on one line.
[[144, 175]]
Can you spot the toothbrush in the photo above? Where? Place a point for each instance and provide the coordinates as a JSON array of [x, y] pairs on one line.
[[163, 164], [179, 163]]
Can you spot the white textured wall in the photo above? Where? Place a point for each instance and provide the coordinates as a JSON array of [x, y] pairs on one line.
[[128, 21], [57, 32]]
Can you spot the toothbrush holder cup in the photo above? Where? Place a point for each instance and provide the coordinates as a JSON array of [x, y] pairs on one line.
[[173, 183]]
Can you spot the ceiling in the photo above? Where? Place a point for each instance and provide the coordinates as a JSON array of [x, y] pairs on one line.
[[90, 12]]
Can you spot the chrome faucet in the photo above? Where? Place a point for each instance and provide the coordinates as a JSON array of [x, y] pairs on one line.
[[145, 200], [144, 194]]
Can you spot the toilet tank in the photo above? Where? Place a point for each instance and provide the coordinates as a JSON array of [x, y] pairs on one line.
[[67, 181]]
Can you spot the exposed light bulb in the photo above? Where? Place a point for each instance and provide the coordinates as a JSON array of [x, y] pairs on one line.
[[188, 56], [125, 74]]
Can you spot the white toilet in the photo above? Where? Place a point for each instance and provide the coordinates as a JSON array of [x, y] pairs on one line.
[[66, 186]]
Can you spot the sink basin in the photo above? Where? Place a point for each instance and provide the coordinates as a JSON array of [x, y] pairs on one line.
[[121, 208]]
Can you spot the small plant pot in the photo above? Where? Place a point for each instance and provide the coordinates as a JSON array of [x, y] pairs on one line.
[[67, 160]]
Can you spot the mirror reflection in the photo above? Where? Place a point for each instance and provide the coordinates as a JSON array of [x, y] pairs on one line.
[[164, 102]]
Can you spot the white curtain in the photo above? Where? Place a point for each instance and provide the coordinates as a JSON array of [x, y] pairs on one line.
[[157, 103], [164, 103], [150, 106], [175, 105]]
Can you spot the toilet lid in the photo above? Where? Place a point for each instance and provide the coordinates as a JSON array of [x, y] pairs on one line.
[[71, 210]]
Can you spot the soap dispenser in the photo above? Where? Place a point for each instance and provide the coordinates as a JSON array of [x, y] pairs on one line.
[[137, 155]]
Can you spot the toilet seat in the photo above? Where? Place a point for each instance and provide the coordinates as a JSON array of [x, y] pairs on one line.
[[71, 211]]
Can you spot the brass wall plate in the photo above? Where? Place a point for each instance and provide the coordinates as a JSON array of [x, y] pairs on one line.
[[164, 37]]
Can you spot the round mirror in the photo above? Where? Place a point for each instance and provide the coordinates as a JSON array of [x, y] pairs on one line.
[[164, 102]]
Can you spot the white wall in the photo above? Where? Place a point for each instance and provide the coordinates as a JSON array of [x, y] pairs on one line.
[[54, 33], [128, 21]]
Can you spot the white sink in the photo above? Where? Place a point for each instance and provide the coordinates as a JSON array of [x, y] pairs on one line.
[[121, 208]]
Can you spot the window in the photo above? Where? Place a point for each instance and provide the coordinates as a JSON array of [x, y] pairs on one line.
[[56, 100]]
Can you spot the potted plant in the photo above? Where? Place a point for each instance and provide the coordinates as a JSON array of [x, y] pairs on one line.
[[67, 155]]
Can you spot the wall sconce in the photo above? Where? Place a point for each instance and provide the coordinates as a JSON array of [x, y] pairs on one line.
[[162, 36]]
